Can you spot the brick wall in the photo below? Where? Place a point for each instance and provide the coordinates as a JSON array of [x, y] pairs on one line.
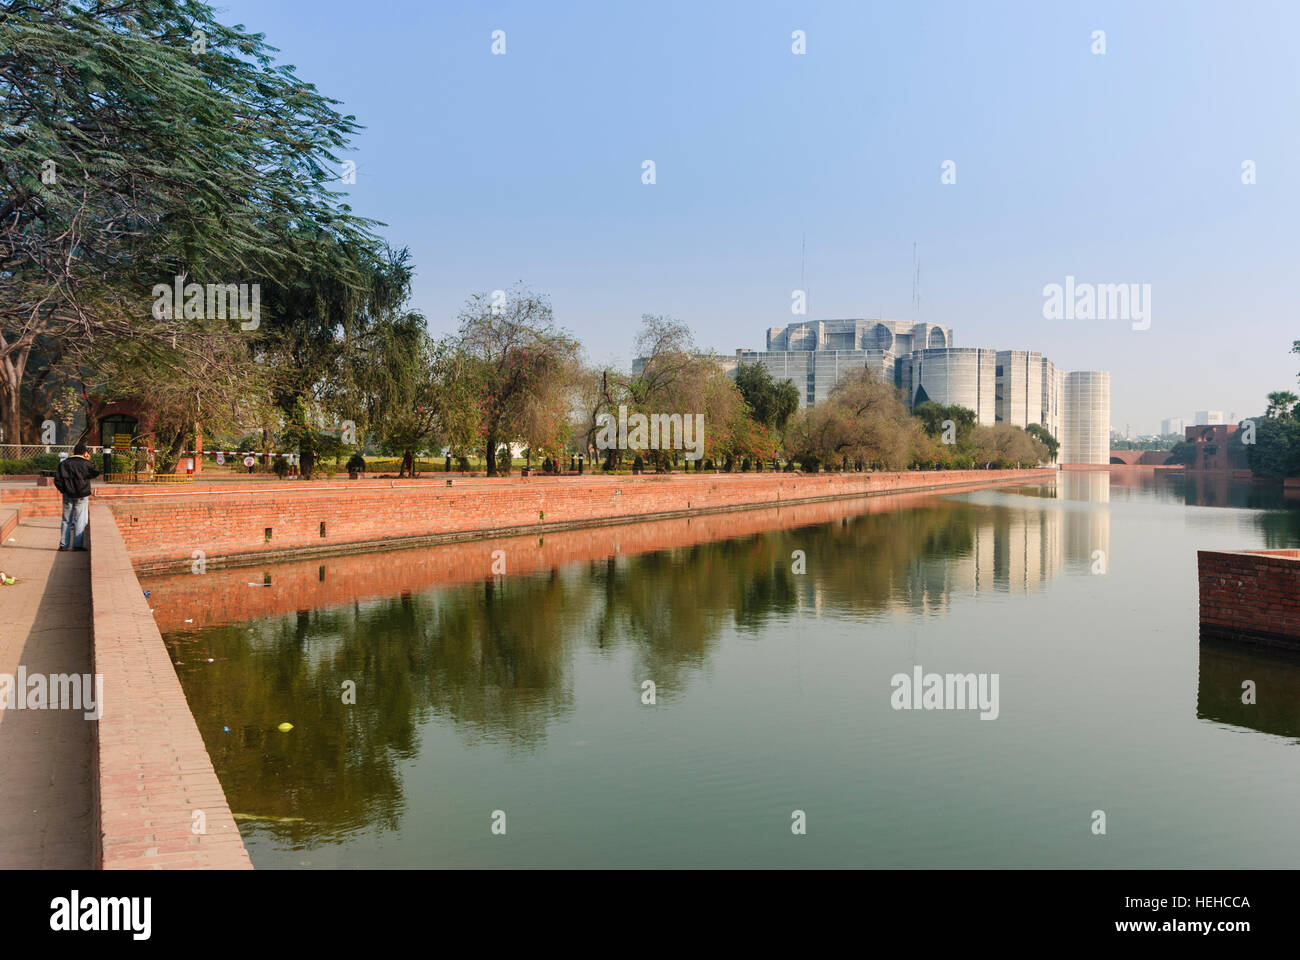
[[163, 528], [151, 770], [1251, 595], [34, 501], [237, 594]]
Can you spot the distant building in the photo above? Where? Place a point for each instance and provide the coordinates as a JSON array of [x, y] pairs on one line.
[[816, 354], [1085, 432], [1209, 418], [1176, 425], [1211, 443], [898, 337], [1017, 387], [965, 376]]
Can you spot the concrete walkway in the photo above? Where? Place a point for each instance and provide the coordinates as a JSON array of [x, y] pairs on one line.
[[45, 755]]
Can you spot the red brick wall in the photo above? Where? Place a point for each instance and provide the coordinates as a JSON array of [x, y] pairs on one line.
[[34, 501], [152, 770], [163, 528], [225, 596], [1251, 595]]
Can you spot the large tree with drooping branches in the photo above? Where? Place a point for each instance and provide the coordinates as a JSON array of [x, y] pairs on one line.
[[141, 141]]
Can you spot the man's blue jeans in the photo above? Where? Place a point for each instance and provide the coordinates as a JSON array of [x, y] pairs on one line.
[[74, 522]]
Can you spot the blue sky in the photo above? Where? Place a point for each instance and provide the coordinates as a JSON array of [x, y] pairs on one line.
[[1117, 168]]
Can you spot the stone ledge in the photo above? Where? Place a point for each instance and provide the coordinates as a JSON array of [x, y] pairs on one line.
[[151, 769]]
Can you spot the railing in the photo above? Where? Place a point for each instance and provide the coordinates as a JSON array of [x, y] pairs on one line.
[[28, 458], [147, 478]]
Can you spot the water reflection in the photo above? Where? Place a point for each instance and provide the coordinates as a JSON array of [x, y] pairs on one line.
[[1087, 530], [1275, 673], [494, 659], [461, 674]]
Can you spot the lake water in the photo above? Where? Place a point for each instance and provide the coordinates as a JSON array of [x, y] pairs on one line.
[[478, 695]]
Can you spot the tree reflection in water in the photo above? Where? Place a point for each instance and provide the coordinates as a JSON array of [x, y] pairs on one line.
[[495, 659]]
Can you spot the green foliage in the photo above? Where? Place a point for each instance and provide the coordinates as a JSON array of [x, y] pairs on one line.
[[1281, 404], [518, 366], [328, 446], [129, 158], [1003, 446], [863, 420], [1183, 453], [1044, 436], [1276, 450], [932, 416], [770, 403]]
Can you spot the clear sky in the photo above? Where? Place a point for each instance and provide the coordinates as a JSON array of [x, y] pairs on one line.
[[1124, 167]]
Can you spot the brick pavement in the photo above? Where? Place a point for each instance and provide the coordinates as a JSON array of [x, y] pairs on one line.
[[46, 817]]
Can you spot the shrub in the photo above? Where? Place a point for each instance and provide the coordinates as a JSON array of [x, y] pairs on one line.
[[280, 467], [356, 463]]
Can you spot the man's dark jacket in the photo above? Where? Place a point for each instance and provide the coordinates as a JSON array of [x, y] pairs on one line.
[[73, 477]]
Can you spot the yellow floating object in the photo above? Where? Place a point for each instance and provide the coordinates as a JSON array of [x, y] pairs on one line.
[[285, 727]]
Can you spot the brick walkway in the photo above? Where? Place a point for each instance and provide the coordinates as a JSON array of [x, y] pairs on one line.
[[45, 755]]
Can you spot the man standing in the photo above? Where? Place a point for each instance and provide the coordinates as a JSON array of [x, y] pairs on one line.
[[72, 479]]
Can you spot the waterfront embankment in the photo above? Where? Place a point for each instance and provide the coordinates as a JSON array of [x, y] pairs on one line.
[[153, 796], [169, 528]]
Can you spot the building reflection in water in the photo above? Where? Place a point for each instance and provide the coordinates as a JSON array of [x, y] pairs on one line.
[[427, 638], [1087, 527]]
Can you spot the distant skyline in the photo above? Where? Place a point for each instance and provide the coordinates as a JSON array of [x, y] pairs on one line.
[[1124, 167]]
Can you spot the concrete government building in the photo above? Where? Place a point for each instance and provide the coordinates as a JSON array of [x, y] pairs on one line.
[[1018, 387]]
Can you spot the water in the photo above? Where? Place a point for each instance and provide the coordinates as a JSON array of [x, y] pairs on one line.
[[523, 693]]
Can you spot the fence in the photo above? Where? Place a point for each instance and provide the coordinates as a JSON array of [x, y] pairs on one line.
[[28, 458]]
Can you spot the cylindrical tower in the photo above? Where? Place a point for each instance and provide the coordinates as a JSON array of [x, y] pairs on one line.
[[1086, 418]]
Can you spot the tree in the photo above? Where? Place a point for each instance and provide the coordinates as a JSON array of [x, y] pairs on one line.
[[414, 390], [1005, 446], [140, 142], [1044, 436], [318, 318], [599, 390], [66, 405], [678, 377], [1276, 450], [770, 403], [515, 353], [207, 380], [1183, 453], [1280, 404], [669, 360], [933, 416], [863, 420]]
